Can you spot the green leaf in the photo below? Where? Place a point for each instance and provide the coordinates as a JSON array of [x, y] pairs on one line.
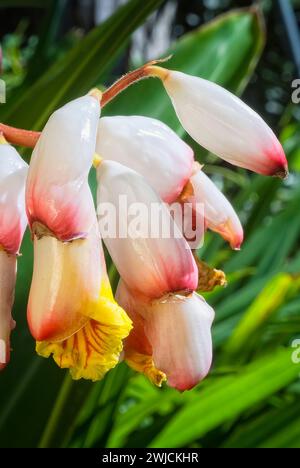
[[49, 30], [269, 300], [228, 398], [273, 424], [268, 246], [225, 51], [288, 437], [129, 421], [78, 70]]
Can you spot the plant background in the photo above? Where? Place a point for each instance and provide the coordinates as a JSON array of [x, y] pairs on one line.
[[55, 50]]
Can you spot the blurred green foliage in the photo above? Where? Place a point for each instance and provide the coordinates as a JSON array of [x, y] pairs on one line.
[[251, 398], [15, 57]]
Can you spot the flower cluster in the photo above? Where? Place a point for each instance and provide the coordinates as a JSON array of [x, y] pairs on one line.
[[158, 322]]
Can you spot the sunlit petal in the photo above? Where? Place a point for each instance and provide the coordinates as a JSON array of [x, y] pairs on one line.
[[57, 193], [148, 262], [65, 285], [137, 348], [224, 125], [218, 212], [149, 147], [8, 265], [13, 221], [175, 330], [179, 330]]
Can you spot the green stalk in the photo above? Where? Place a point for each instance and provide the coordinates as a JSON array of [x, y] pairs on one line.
[[54, 420]]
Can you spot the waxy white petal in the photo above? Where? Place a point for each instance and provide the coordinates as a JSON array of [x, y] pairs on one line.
[[8, 267], [218, 212], [148, 262], [178, 329], [13, 220], [225, 125], [137, 339], [65, 285], [149, 147], [57, 194]]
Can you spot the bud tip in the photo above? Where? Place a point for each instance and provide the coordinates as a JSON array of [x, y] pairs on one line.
[[282, 173]]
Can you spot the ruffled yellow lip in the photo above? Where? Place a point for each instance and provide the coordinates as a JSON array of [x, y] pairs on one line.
[[145, 365], [95, 348]]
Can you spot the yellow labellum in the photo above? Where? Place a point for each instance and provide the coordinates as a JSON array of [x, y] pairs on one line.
[[144, 364], [95, 348]]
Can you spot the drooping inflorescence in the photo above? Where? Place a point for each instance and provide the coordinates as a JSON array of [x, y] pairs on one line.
[[154, 205]]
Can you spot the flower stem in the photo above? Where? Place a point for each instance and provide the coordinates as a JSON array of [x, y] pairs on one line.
[[149, 70], [54, 419], [20, 137]]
